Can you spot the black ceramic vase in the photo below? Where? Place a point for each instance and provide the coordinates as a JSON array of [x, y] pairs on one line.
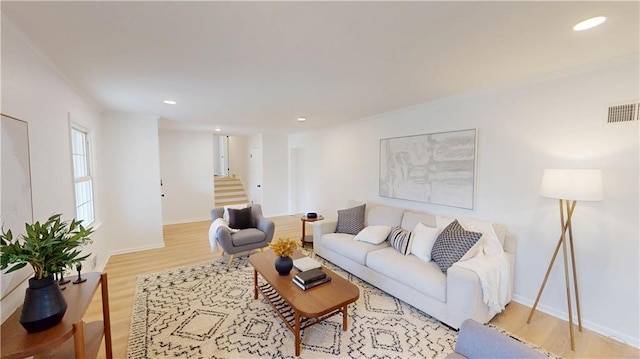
[[284, 265], [44, 306]]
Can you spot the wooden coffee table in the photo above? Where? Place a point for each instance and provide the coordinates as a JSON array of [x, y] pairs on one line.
[[301, 309]]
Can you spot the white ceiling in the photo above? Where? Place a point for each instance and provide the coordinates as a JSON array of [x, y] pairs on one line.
[[252, 67]]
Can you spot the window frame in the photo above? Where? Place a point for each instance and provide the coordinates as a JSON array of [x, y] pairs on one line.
[[87, 161]]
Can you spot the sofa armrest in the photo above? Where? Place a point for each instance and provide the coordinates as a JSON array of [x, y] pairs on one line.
[[510, 243], [478, 341], [464, 297], [323, 227]]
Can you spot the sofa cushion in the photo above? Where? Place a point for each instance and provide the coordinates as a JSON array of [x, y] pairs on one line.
[[373, 234], [240, 218], [471, 224], [424, 277], [344, 244], [411, 219], [351, 220], [422, 241], [247, 236], [400, 239], [383, 215], [452, 244]]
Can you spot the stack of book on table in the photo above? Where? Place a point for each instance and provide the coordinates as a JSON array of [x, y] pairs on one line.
[[310, 278], [305, 264]]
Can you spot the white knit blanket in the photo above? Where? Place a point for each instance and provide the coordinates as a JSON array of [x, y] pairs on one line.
[[213, 230], [492, 267]]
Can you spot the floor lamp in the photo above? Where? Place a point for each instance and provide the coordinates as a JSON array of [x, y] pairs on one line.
[[568, 186]]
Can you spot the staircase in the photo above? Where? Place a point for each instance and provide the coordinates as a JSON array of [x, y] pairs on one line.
[[229, 190]]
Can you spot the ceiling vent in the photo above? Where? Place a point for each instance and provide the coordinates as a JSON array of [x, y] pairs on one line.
[[623, 113]]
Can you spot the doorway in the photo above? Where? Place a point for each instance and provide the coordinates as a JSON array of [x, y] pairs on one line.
[[255, 167], [221, 156]]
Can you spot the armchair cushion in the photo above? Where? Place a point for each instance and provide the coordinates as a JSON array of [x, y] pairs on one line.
[[247, 236], [225, 213], [240, 218]]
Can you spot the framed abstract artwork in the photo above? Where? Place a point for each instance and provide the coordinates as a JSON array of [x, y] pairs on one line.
[[438, 168], [16, 205]]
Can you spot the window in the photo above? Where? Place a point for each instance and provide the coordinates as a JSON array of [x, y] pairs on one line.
[[82, 178]]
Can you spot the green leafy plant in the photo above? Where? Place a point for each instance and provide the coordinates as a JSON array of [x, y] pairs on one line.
[[49, 247]]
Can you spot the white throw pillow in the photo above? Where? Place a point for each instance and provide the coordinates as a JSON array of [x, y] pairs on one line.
[[373, 234], [422, 242], [225, 215]]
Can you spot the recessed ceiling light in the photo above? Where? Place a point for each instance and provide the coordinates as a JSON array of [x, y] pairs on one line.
[[217, 129], [169, 102], [301, 119], [589, 23]]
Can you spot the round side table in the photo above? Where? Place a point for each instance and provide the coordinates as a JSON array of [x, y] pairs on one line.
[[304, 220]]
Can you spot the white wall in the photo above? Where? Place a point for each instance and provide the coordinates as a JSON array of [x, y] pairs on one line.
[[131, 174], [34, 92], [216, 155], [556, 122], [186, 168], [239, 158], [275, 181], [255, 170]]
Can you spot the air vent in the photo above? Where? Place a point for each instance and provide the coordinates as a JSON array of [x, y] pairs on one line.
[[623, 113]]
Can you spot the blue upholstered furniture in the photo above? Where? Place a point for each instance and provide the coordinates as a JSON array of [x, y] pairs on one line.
[[258, 236], [479, 341]]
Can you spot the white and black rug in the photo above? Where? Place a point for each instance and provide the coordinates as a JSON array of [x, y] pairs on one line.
[[208, 311]]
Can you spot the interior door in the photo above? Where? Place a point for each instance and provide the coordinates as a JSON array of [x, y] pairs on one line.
[[255, 159], [224, 155]]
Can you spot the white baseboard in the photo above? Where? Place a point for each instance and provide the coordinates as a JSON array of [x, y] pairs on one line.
[[181, 221], [277, 215], [134, 249], [607, 332], [102, 265]]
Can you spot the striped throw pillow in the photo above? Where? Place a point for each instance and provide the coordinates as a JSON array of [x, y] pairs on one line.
[[400, 239]]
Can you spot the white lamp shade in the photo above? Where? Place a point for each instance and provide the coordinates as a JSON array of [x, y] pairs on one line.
[[572, 184]]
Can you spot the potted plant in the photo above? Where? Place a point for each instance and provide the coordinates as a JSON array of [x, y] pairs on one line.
[[283, 248], [49, 248]]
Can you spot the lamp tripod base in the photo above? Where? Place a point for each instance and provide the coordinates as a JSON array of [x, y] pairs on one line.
[[569, 206]]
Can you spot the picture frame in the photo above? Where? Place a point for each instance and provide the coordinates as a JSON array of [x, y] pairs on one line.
[[437, 168], [16, 204]]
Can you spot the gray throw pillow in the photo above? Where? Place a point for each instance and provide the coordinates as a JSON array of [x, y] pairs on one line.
[[452, 244], [351, 220], [240, 218], [399, 239]]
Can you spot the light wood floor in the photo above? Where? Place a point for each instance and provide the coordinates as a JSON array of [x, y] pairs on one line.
[[187, 244]]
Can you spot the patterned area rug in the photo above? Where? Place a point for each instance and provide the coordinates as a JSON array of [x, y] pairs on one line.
[[208, 311]]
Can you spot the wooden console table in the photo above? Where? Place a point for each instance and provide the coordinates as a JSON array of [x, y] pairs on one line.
[[53, 342]]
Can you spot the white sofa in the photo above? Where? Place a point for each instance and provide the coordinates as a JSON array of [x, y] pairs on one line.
[[451, 298]]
